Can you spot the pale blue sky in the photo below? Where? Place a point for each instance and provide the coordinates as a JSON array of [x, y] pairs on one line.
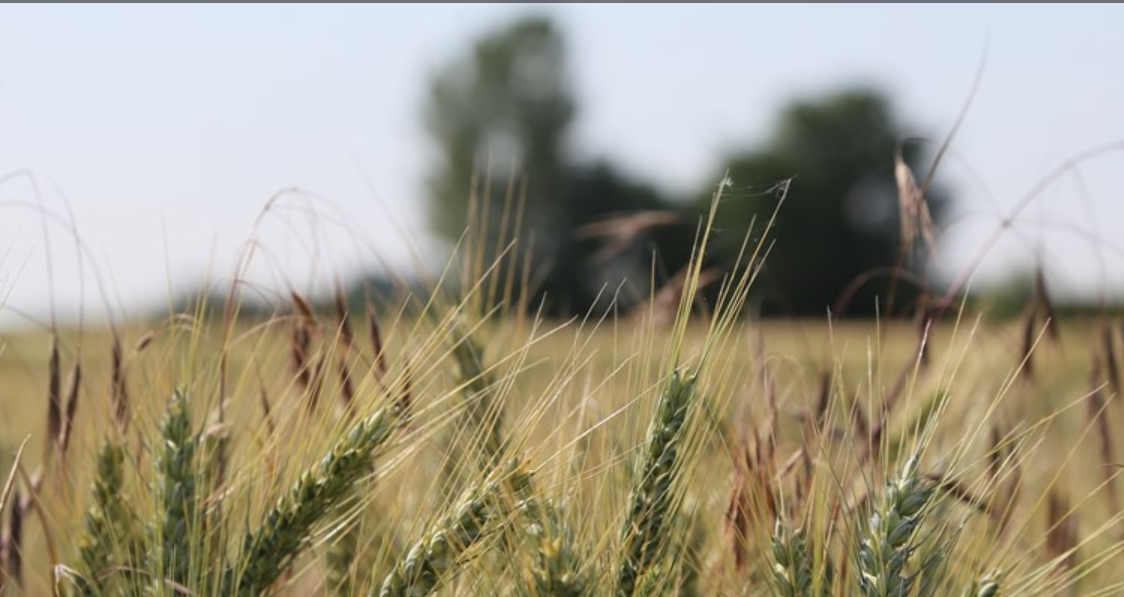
[[169, 127]]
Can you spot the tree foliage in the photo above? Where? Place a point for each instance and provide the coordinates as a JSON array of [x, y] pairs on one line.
[[838, 230], [500, 117]]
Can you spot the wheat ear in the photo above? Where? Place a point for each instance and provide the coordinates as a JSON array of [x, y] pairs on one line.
[[110, 522], [985, 586], [287, 528], [176, 484], [793, 571], [650, 501], [888, 541], [438, 553], [555, 569]]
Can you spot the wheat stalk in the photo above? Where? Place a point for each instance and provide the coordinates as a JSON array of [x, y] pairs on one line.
[[650, 500], [555, 569], [287, 528], [888, 541], [793, 572], [438, 553], [341, 557], [110, 522], [478, 394], [176, 484]]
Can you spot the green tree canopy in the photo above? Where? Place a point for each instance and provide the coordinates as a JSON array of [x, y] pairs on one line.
[[503, 109], [501, 113], [839, 223]]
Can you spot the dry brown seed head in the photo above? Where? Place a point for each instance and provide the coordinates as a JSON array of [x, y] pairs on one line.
[[144, 341], [1061, 535], [1098, 416], [54, 401], [267, 412], [302, 306], [376, 341], [73, 386], [994, 453], [347, 390], [347, 336], [119, 390], [1046, 306], [1110, 358], [1026, 356], [299, 347], [14, 539], [738, 510]]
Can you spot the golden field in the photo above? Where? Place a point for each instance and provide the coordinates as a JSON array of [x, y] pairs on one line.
[[1020, 451]]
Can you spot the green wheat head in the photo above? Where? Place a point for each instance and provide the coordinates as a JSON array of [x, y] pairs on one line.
[[555, 565], [176, 483], [288, 526], [110, 524], [793, 571], [888, 541], [439, 552], [650, 499]]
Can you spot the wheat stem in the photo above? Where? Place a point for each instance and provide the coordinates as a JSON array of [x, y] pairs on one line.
[[478, 393]]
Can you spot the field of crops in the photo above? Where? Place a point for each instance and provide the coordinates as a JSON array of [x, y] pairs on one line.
[[460, 447]]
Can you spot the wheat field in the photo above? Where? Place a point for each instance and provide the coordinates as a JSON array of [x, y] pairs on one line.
[[452, 444]]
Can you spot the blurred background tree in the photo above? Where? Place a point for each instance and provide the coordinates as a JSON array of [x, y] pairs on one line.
[[840, 227], [503, 110], [501, 114]]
